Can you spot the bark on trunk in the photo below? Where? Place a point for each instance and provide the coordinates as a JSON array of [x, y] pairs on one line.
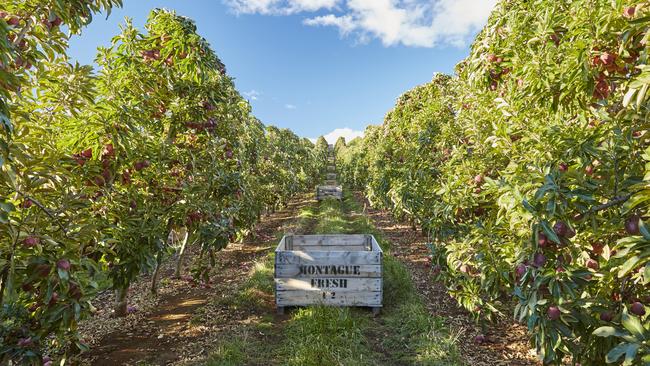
[[154, 276], [181, 253], [121, 301]]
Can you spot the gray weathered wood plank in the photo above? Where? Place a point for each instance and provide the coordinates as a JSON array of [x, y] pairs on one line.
[[293, 271], [302, 298], [338, 257], [340, 284]]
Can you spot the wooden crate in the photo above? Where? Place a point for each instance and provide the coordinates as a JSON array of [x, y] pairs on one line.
[[330, 176], [329, 191], [333, 270], [331, 168]]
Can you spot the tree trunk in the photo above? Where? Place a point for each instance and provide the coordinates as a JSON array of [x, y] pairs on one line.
[[181, 253], [121, 301], [154, 275]]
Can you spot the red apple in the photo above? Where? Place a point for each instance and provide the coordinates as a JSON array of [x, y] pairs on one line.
[[561, 228], [520, 270], [99, 181], [109, 150], [632, 225], [54, 299], [637, 308], [563, 167], [126, 177], [31, 241], [606, 316], [75, 291], [13, 21], [592, 264], [629, 11], [542, 240], [597, 248], [608, 58], [539, 260], [140, 165], [43, 270], [63, 264], [88, 153], [553, 313], [56, 22]]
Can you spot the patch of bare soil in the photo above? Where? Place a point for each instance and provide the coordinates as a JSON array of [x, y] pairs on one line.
[[184, 321], [506, 340]]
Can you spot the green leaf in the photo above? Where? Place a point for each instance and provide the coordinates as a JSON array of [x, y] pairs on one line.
[[630, 354], [615, 353], [606, 332], [549, 232], [628, 266], [632, 324], [64, 275]]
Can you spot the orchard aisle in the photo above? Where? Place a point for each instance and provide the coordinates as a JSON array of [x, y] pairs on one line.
[[233, 321], [185, 319], [404, 334], [504, 343]]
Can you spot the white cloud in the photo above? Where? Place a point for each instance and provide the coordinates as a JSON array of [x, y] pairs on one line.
[[348, 133], [279, 7], [252, 95], [290, 106], [418, 23], [344, 23]]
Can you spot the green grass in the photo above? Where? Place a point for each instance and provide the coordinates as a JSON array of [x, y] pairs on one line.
[[238, 350], [326, 336], [405, 334], [259, 285]]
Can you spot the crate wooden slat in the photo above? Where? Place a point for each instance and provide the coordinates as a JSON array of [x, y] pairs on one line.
[[330, 176], [340, 284], [293, 271], [326, 191], [303, 298], [337, 270]]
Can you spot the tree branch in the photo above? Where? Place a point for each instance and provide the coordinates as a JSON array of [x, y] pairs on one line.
[[44, 209], [616, 201]]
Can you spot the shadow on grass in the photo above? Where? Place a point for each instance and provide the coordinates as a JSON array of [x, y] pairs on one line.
[[405, 334]]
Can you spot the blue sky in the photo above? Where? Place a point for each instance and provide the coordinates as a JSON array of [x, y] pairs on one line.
[[315, 66]]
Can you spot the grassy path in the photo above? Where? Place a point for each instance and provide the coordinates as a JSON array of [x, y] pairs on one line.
[[405, 333], [234, 322]]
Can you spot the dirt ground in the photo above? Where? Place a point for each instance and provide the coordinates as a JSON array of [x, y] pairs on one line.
[[185, 321], [506, 342], [172, 327]]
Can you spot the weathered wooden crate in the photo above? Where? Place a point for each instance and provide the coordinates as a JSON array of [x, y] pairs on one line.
[[329, 191], [336, 270], [330, 176]]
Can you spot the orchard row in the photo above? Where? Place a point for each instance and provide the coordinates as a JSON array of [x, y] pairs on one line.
[[105, 174], [530, 171]]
